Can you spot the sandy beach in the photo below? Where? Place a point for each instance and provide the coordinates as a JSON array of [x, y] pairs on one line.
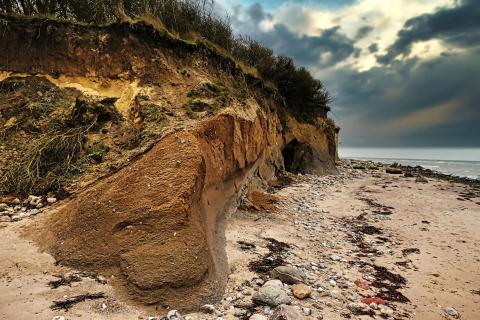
[[412, 246]]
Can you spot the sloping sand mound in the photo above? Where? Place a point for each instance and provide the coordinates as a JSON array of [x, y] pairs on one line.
[[157, 225]]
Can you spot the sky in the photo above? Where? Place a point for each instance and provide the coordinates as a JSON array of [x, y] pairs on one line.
[[401, 72]]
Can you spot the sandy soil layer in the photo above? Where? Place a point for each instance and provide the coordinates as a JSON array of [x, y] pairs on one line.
[[340, 229]]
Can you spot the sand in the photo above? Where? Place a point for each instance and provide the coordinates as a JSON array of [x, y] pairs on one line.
[[317, 217]]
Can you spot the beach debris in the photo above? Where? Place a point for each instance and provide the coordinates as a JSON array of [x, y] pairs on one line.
[[421, 179], [393, 170], [408, 251], [375, 300], [244, 245], [67, 303], [274, 258]]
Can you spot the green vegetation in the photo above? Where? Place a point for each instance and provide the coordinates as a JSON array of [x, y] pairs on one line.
[[195, 20], [206, 97], [96, 151]]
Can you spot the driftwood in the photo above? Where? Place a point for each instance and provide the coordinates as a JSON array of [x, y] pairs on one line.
[[67, 303]]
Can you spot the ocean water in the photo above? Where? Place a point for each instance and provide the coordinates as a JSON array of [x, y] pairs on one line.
[[462, 162]]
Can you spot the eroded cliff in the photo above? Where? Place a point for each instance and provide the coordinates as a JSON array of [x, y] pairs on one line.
[[188, 131]]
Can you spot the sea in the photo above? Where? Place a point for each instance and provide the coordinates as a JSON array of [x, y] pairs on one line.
[[462, 162]]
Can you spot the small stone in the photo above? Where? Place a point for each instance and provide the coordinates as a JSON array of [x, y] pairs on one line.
[[208, 308], [240, 313], [4, 206], [174, 315], [284, 312], [51, 200], [58, 318], [334, 257], [384, 310], [151, 318], [307, 311], [5, 219], [392, 170], [258, 316], [271, 294], [16, 201], [333, 282], [421, 179], [289, 275], [452, 312], [358, 308], [301, 291]]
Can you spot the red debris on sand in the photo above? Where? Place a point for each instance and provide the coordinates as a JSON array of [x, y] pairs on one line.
[[373, 300], [362, 284]]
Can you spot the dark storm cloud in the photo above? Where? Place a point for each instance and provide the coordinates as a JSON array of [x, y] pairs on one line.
[[411, 102], [380, 96], [373, 48], [458, 26], [363, 32], [327, 49]]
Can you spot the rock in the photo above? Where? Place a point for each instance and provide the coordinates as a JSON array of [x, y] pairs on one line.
[[358, 308], [240, 313], [174, 315], [362, 284], [301, 291], [151, 318], [4, 206], [421, 179], [16, 201], [334, 257], [58, 318], [271, 294], [384, 310], [208, 308], [51, 200], [408, 174], [393, 170], [452, 312], [289, 275], [5, 219], [284, 312], [258, 316], [307, 311]]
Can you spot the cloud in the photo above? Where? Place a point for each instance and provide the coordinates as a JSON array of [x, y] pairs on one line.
[[410, 102], [325, 49], [428, 97], [459, 26], [363, 32]]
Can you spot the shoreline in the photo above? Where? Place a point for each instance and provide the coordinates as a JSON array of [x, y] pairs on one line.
[[413, 247], [419, 170]]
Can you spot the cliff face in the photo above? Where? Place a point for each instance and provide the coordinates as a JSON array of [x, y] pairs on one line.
[[157, 222]]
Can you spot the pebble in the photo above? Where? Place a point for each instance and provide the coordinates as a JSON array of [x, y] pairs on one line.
[[174, 315], [271, 294], [384, 310], [301, 291], [58, 318], [240, 313], [307, 311], [452, 312], [258, 316], [284, 312], [51, 200], [288, 274], [208, 308]]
